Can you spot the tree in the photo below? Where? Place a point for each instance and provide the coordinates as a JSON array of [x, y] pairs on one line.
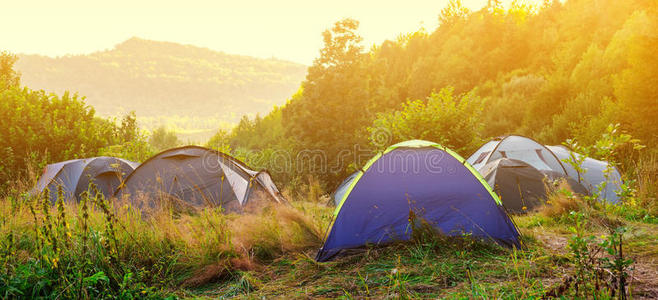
[[38, 128], [162, 139], [129, 141], [8, 76], [551, 72], [452, 121], [453, 13], [128, 130], [637, 88], [221, 141], [333, 107], [495, 6], [342, 47]]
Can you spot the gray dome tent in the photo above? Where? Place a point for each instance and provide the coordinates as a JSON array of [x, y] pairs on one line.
[[594, 174], [521, 187], [549, 160], [197, 176], [519, 148], [75, 176]]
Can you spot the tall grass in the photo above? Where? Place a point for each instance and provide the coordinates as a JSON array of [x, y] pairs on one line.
[[98, 248], [646, 177], [562, 201]]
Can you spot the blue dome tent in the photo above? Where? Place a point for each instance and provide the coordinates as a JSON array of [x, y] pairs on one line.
[[427, 179]]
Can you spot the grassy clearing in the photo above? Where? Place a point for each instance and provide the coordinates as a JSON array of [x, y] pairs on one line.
[[432, 266], [100, 249], [444, 268]]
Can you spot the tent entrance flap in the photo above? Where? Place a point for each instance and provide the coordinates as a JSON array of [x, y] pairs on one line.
[[237, 182]]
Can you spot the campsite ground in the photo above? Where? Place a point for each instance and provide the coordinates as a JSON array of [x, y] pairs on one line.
[[443, 268], [91, 250]]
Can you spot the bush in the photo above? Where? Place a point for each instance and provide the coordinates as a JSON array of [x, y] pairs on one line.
[[161, 139], [452, 121], [37, 128]]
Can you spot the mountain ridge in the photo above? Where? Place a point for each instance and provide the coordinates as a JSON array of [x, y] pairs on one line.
[[156, 78]]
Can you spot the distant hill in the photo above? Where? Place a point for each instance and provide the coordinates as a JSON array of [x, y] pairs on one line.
[[160, 79]]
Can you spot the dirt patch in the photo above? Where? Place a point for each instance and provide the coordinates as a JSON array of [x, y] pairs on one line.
[[644, 279], [556, 243]]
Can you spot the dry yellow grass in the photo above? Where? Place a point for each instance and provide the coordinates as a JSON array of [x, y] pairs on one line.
[[192, 249], [561, 201]]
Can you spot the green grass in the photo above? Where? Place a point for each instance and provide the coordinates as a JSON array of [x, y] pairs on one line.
[[410, 271], [111, 251], [444, 268]]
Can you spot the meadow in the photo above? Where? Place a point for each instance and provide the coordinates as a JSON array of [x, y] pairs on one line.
[[98, 248]]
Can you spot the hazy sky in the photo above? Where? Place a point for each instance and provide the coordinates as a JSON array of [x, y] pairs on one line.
[[286, 29]]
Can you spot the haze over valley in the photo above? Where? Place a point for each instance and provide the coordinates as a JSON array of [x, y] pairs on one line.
[[189, 89]]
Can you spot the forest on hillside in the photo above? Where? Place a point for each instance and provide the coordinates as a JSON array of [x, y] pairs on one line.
[[164, 79], [553, 72]]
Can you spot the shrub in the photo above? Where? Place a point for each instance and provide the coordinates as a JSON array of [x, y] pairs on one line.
[[452, 121]]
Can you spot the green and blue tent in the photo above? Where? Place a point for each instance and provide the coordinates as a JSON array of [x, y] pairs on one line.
[[415, 179]]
